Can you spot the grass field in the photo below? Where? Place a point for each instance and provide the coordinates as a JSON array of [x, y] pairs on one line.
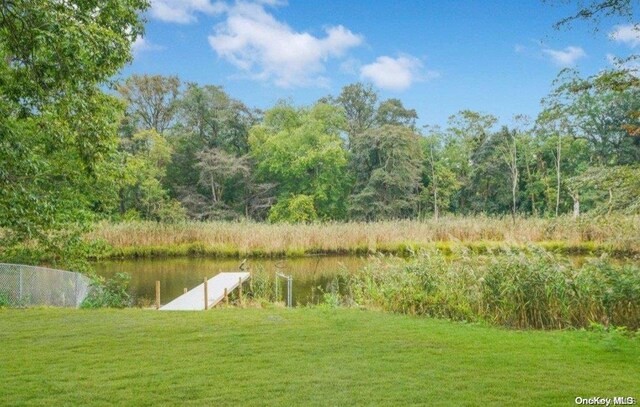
[[299, 357], [616, 235]]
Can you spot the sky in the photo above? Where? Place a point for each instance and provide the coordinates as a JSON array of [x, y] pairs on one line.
[[438, 57]]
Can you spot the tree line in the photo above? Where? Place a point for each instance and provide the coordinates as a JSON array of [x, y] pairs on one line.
[[155, 148], [191, 151]]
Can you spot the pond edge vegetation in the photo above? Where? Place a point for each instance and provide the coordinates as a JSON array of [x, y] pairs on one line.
[[613, 235]]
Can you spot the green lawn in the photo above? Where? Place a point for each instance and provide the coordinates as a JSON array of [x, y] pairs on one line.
[[299, 357]]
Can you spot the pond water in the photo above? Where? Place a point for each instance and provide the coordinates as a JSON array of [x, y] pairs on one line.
[[310, 274]]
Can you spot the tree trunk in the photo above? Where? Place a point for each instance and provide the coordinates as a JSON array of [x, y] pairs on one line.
[[576, 205], [435, 186], [214, 197]]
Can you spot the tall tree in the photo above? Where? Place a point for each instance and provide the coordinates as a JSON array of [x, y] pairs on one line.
[[359, 102], [508, 151], [468, 132], [388, 163], [301, 150], [151, 101], [393, 112], [58, 126]]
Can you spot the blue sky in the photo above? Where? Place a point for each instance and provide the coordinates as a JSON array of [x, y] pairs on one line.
[[438, 57]]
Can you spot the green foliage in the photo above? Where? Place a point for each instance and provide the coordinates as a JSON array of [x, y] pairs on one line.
[[58, 128], [146, 155], [151, 102], [302, 152], [388, 163], [4, 300], [294, 209], [513, 289], [610, 189], [109, 293]]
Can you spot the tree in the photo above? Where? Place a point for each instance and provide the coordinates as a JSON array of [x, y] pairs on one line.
[[359, 102], [215, 119], [599, 114], [209, 120], [301, 151], [467, 134], [388, 169], [438, 178], [594, 10], [151, 101], [219, 172], [393, 112], [508, 151], [58, 126], [613, 189], [146, 157]]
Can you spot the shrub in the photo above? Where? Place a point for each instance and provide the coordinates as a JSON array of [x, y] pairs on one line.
[[109, 293]]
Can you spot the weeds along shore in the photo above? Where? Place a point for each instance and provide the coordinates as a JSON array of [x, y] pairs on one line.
[[615, 235]]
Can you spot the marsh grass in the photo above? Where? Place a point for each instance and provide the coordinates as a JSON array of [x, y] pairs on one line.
[[616, 235], [533, 289]]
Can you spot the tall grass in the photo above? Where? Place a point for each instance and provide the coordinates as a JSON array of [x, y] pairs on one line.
[[236, 239], [534, 289]]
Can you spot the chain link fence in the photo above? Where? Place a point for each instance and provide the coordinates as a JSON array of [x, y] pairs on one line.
[[22, 286]]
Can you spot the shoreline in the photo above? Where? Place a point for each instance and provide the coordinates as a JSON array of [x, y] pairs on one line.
[[404, 249]]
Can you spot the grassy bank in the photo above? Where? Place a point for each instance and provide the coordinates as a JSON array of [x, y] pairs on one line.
[[299, 357], [614, 235]]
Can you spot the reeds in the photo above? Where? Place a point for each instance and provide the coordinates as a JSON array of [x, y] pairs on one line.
[[533, 289], [480, 234]]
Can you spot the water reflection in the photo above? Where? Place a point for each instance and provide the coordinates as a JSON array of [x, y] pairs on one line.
[[174, 275]]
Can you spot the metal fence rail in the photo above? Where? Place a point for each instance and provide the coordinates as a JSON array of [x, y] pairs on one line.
[[22, 286]]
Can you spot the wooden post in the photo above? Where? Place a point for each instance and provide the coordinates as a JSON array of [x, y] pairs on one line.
[[240, 290], [157, 294], [206, 294], [184, 290], [226, 296]]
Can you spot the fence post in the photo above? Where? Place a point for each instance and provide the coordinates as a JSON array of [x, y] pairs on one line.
[[240, 290], [157, 294], [226, 296], [206, 294], [184, 290]]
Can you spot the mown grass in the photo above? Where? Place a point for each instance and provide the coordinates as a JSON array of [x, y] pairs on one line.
[[616, 235], [299, 357]]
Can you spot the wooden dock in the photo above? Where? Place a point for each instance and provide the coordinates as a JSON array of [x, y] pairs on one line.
[[194, 300]]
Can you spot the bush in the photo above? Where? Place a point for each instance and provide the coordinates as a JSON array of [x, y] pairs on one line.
[[296, 209], [109, 293]]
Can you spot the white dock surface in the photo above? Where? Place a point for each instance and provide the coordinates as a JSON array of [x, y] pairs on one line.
[[193, 300]]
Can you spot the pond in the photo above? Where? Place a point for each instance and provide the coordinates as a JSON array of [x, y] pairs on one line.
[[310, 274]]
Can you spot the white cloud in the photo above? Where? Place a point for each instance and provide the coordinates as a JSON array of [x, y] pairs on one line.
[[142, 45], [626, 34], [267, 49], [184, 11], [395, 73], [565, 57]]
